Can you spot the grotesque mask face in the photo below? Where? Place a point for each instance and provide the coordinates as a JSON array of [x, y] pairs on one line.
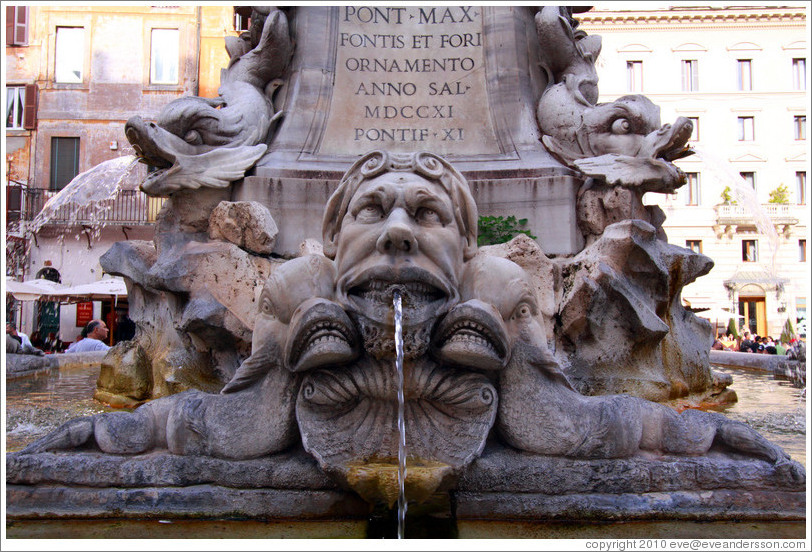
[[399, 234]]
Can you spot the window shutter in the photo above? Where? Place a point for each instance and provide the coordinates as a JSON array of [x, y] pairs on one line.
[[10, 11], [30, 110], [21, 26]]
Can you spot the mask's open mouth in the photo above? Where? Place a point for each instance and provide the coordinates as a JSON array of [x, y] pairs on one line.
[[321, 334], [470, 335], [423, 296]]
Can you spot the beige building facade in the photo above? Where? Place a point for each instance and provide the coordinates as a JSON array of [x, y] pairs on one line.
[[740, 74], [73, 76]]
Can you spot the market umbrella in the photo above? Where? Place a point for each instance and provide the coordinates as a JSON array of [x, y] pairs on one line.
[[94, 291], [718, 313], [31, 290]]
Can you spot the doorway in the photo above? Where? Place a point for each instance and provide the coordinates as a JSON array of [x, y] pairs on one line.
[[754, 310]]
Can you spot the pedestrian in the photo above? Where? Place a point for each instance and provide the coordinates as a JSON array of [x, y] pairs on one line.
[[22, 338], [744, 346], [125, 328], [94, 335]]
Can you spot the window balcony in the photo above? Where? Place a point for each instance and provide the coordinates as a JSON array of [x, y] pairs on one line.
[[731, 217], [126, 208]]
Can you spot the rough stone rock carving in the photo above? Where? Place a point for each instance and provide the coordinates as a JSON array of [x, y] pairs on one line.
[[254, 414], [540, 412], [621, 323], [200, 142]]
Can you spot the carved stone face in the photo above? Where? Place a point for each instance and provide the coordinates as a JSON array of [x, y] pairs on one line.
[[399, 233]]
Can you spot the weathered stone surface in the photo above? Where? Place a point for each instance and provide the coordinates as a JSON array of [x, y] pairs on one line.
[[247, 224], [501, 484], [545, 274], [19, 365], [620, 145], [125, 379], [503, 469], [289, 470], [621, 323], [710, 505], [204, 501]]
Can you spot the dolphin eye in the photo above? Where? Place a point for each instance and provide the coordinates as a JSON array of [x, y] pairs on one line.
[[266, 306], [621, 126], [193, 137], [523, 310]]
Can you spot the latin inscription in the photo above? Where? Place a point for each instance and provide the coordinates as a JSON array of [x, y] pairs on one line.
[[410, 79]]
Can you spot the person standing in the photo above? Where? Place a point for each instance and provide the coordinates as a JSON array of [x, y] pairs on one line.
[[96, 332]]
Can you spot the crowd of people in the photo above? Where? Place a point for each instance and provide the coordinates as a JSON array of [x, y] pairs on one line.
[[93, 337], [751, 343]]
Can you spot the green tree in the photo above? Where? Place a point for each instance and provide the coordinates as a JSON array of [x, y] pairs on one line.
[[731, 328], [788, 333], [780, 195], [499, 229]]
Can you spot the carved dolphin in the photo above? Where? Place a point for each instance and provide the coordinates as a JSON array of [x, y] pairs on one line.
[[199, 142], [621, 142]]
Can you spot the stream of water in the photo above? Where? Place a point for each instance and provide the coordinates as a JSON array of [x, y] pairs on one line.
[[402, 505]]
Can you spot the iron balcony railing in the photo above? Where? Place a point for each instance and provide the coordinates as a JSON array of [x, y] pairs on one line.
[[779, 214], [127, 207]]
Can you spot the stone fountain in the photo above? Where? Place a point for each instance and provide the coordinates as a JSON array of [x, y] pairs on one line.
[[531, 369]]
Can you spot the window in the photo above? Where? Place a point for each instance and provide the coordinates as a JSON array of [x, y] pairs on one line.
[[164, 56], [802, 251], [64, 161], [70, 54], [746, 129], [14, 202], [241, 18], [692, 189], [745, 76], [799, 73], [690, 75], [15, 104], [750, 251], [694, 245], [800, 127], [749, 179], [17, 26], [800, 187], [634, 76], [695, 132]]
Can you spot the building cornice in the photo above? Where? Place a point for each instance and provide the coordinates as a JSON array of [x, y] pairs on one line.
[[695, 17]]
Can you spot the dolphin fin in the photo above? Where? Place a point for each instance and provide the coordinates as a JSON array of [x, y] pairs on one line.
[[217, 168]]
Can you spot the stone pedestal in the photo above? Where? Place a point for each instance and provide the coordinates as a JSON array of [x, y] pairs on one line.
[[502, 484]]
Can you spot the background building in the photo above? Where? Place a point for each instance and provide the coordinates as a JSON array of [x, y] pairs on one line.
[[74, 75], [740, 74]]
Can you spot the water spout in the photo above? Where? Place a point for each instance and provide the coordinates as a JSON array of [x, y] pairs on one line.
[[396, 298], [745, 196]]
